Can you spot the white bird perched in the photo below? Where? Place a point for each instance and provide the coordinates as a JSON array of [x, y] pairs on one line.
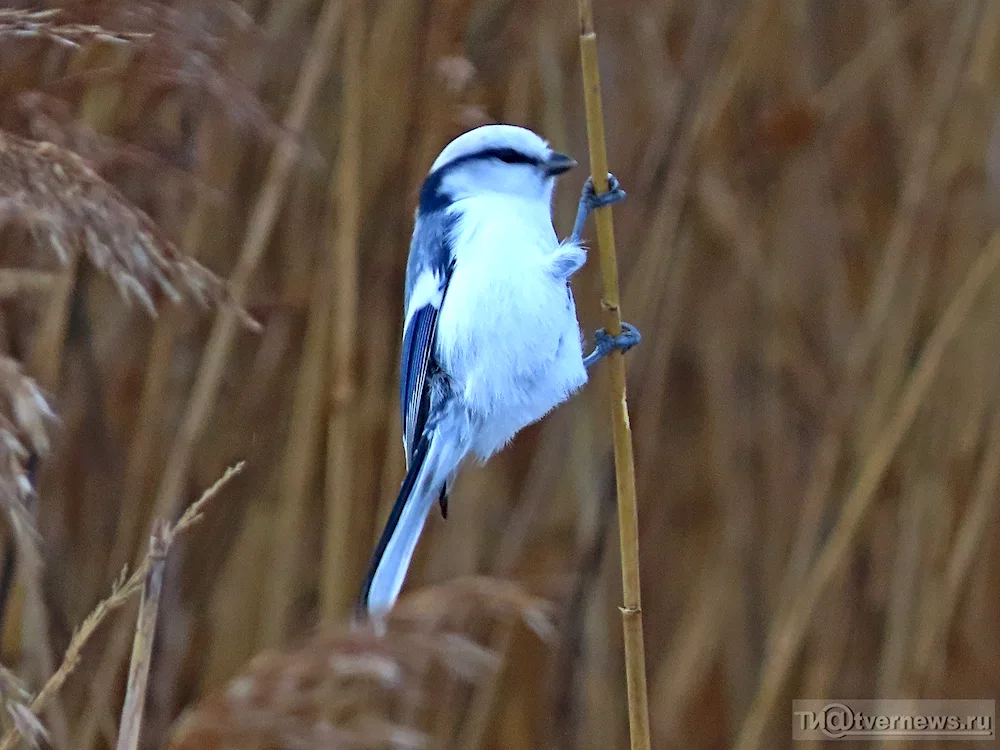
[[491, 341]]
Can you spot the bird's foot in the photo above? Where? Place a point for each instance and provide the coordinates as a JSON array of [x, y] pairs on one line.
[[589, 200], [594, 200], [605, 343]]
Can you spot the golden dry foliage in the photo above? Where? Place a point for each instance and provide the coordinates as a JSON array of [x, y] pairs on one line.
[[809, 247]]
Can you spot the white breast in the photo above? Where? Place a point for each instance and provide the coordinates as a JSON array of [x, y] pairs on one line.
[[508, 332]]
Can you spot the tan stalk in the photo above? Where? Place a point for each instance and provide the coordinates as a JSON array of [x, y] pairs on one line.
[[628, 517], [337, 587], [299, 463], [792, 625], [265, 214], [142, 645], [15, 282], [123, 590]]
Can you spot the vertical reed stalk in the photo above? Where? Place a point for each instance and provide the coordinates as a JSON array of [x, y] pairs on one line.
[[142, 645], [258, 234], [122, 592], [792, 625], [45, 366], [299, 463], [628, 517], [337, 588]]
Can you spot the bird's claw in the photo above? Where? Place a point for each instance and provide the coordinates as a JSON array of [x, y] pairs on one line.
[[624, 341], [589, 200], [594, 200], [605, 343]]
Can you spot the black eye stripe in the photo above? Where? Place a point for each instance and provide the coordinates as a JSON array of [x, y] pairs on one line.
[[431, 197], [511, 156], [506, 155]]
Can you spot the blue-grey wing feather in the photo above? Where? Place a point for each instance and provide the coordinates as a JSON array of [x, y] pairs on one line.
[[418, 345], [430, 252]]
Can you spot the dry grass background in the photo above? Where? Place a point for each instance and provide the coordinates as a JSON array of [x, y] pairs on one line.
[[808, 247]]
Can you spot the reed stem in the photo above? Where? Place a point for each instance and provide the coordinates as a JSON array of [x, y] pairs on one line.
[[628, 517], [142, 645]]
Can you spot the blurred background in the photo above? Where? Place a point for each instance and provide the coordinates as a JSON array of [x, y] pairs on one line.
[[808, 247]]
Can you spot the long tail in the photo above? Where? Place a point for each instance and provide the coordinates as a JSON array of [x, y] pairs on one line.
[[392, 555]]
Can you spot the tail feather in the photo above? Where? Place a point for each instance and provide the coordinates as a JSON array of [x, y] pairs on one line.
[[392, 555]]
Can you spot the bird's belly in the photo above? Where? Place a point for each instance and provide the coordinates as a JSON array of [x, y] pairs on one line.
[[509, 338]]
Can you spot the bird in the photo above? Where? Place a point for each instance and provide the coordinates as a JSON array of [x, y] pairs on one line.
[[491, 340]]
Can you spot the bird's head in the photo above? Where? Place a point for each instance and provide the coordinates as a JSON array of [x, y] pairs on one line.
[[501, 159]]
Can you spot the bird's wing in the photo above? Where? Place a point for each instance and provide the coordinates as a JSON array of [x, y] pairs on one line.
[[427, 273]]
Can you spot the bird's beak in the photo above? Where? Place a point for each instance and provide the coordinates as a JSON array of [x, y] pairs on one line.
[[558, 163]]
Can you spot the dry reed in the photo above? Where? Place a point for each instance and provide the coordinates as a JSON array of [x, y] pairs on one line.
[[127, 586], [809, 186], [337, 589], [42, 24], [142, 645], [68, 207], [628, 514], [350, 688]]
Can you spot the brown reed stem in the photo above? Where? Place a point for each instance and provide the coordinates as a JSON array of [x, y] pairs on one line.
[[628, 517], [971, 530], [142, 645], [258, 234], [338, 586], [299, 463], [45, 364], [24, 281]]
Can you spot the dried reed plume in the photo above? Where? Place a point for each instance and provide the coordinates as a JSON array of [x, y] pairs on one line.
[[67, 207], [189, 50], [362, 689], [15, 697], [23, 414], [41, 24]]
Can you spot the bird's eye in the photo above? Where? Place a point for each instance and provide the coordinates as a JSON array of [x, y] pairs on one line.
[[512, 156]]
